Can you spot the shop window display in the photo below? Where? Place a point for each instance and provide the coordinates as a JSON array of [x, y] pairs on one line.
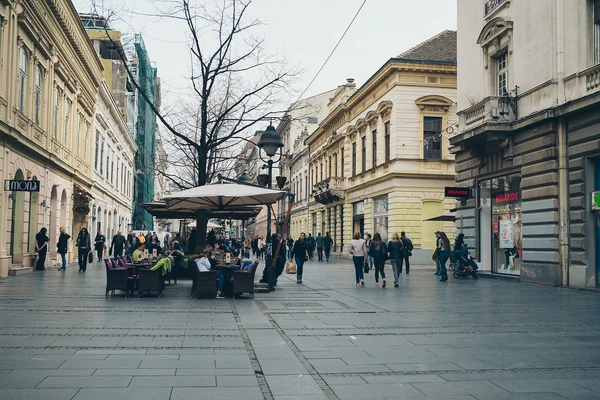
[[380, 214], [501, 221]]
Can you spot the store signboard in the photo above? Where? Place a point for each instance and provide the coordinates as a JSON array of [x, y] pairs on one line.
[[507, 197], [457, 192], [507, 239], [21, 186], [595, 201]]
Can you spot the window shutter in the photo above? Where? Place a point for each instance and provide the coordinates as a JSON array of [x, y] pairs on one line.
[[596, 11]]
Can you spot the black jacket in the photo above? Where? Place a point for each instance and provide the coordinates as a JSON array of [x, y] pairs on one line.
[[327, 241], [407, 245], [300, 247], [395, 250], [63, 243], [84, 242], [380, 254], [99, 241], [118, 243]]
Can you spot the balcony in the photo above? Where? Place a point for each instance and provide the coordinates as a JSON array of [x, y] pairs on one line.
[[582, 83], [486, 122], [330, 190]]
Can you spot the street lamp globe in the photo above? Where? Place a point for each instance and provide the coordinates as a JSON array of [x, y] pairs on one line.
[[245, 178], [270, 141]]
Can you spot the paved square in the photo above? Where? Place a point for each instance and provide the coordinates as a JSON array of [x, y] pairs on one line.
[[61, 338]]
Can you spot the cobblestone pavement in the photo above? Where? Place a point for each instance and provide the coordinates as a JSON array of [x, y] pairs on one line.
[[60, 338]]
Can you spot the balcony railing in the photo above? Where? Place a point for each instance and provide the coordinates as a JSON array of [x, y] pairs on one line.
[[330, 190], [492, 4], [496, 109]]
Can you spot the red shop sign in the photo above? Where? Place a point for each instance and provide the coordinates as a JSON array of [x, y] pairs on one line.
[[507, 197]]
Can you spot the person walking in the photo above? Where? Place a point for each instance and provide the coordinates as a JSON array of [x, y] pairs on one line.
[[290, 246], [319, 243], [84, 245], [358, 251], [443, 245], [407, 248], [261, 248], [368, 241], [378, 250], [99, 244], [395, 251], [281, 256], [117, 245], [327, 243], [310, 243], [300, 254], [62, 246], [41, 247]]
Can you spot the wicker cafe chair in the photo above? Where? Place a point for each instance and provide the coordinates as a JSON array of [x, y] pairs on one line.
[[150, 281], [204, 284], [116, 278], [243, 282]]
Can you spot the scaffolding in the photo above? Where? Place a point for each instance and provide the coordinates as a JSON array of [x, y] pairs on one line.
[[144, 131]]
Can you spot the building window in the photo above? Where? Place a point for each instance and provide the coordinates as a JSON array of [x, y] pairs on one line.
[[101, 156], [380, 216], [330, 175], [85, 142], [38, 96], [306, 193], [354, 159], [335, 166], [342, 163], [108, 152], [321, 168], [596, 31], [364, 154], [79, 122], [97, 150], [387, 141], [22, 77], [66, 127], [502, 74], [56, 110], [432, 138], [374, 148], [117, 176]]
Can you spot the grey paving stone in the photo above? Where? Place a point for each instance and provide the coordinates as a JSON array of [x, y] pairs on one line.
[[38, 394], [135, 372], [85, 381], [222, 393], [542, 385], [375, 391], [526, 396], [293, 385], [197, 364], [173, 381], [31, 364], [237, 381], [458, 388], [89, 364], [408, 378], [302, 397], [31, 378], [282, 367], [214, 371], [410, 367], [123, 394]]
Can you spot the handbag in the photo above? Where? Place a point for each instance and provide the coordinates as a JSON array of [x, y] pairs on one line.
[[91, 257], [290, 267], [435, 255], [366, 268]]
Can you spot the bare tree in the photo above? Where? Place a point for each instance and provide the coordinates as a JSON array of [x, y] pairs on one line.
[[236, 84]]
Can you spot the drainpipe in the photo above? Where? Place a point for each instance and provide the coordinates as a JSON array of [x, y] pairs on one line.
[[563, 181]]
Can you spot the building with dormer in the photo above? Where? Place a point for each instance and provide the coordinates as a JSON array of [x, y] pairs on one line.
[[379, 161]]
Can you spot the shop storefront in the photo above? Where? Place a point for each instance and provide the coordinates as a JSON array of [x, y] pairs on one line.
[[500, 225]]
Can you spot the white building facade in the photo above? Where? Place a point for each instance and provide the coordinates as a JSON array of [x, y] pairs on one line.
[[113, 168]]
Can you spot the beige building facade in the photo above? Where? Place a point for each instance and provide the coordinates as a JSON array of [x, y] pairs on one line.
[[379, 162], [49, 78]]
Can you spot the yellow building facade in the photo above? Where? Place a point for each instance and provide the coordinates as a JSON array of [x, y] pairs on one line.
[[379, 162], [49, 79]]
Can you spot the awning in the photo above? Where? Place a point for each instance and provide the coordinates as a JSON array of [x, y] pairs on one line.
[[445, 218], [159, 209]]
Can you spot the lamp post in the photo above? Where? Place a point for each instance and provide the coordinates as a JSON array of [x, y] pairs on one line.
[[270, 142]]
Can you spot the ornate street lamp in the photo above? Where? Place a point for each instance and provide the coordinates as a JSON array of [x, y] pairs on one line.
[[270, 142]]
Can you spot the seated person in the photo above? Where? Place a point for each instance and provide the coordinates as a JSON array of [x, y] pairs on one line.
[[138, 254], [155, 245], [207, 262]]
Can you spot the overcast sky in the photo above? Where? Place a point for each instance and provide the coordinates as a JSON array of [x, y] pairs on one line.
[[304, 31]]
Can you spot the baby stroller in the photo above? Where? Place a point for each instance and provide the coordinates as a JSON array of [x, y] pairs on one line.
[[465, 266]]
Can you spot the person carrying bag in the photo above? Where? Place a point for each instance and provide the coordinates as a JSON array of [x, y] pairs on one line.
[[358, 250]]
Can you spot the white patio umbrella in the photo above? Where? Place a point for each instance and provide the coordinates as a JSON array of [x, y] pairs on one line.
[[210, 225], [221, 196]]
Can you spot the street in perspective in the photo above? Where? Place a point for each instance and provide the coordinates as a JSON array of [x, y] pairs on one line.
[[324, 200]]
